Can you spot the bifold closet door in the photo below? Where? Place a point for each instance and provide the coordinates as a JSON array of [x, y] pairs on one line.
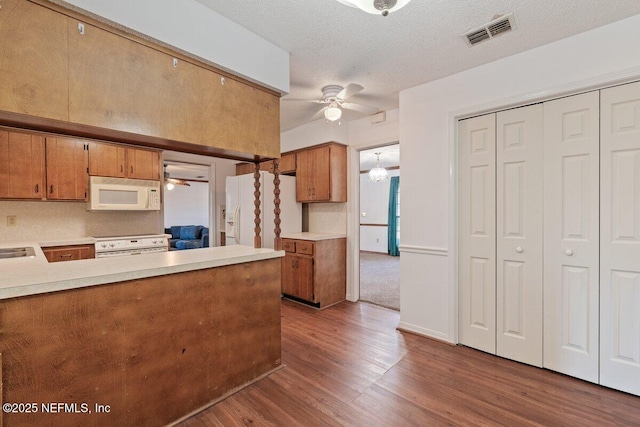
[[477, 233], [571, 235], [519, 156], [620, 238]]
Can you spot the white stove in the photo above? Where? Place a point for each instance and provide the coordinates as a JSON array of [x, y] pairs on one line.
[[130, 245]]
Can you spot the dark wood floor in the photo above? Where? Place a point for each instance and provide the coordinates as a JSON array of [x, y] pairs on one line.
[[348, 365]]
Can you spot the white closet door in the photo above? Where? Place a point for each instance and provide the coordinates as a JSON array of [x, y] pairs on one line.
[[620, 238], [519, 151], [571, 234], [476, 229]]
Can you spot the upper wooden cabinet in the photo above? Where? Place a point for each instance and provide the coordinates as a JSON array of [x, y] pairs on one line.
[[107, 160], [288, 163], [123, 162], [67, 176], [21, 166], [143, 164], [34, 60], [321, 174], [118, 83]]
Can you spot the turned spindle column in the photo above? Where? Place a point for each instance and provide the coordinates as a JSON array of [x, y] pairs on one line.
[[277, 244], [257, 240]]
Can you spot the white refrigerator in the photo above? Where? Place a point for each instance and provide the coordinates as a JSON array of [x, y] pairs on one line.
[[239, 221]]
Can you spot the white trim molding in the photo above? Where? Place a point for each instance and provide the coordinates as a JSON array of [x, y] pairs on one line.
[[407, 327], [424, 250]]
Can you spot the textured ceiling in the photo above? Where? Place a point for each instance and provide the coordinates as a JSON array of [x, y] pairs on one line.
[[331, 43]]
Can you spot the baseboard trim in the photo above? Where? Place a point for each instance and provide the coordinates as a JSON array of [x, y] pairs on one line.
[[424, 332], [424, 250], [221, 398]]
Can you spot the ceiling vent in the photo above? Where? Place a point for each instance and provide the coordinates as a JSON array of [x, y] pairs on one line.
[[499, 25]]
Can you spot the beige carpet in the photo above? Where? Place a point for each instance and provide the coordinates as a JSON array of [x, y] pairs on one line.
[[380, 279]]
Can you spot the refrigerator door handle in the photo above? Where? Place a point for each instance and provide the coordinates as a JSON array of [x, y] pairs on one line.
[[236, 229]]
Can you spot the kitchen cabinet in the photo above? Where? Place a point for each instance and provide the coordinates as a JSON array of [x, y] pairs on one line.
[[314, 271], [33, 71], [66, 169], [69, 253], [245, 168], [120, 83], [288, 164], [123, 162], [21, 165], [321, 174]]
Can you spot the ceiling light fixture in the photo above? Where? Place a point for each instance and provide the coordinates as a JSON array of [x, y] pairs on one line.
[[377, 7], [378, 174], [332, 113]]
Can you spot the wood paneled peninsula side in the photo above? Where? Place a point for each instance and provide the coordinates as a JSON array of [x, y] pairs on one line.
[[152, 337]]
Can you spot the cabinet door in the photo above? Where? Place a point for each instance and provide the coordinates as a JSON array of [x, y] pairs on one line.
[[304, 176], [245, 168], [477, 232], [107, 160], [21, 166], [62, 254], [267, 166], [620, 238], [66, 169], [143, 164], [87, 251], [288, 163], [519, 156], [571, 235], [305, 278], [34, 66], [321, 177], [289, 275]]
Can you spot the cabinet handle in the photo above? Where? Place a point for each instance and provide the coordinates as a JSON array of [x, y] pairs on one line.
[[66, 256], [121, 168], [313, 191], [51, 189], [37, 188], [131, 169], [519, 249], [568, 252]]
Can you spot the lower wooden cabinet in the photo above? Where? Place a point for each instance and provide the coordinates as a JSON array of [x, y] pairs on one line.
[[315, 271], [69, 253]]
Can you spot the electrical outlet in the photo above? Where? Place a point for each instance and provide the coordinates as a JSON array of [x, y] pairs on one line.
[[12, 221]]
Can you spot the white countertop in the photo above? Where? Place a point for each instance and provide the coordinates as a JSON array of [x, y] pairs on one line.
[[30, 276], [312, 236]]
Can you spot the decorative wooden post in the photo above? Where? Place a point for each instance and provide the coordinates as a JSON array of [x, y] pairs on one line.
[[257, 240], [277, 244]]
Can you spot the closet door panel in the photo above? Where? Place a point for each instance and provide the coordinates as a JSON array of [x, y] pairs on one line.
[[476, 252], [571, 235], [519, 234], [620, 238]]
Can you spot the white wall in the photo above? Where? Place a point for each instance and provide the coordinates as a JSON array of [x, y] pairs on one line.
[[374, 205], [427, 134], [314, 133], [187, 205], [192, 27], [52, 221]]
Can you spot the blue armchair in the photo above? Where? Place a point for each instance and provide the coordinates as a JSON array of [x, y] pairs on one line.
[[188, 237]]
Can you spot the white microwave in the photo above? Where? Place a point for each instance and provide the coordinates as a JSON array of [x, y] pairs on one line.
[[121, 194]]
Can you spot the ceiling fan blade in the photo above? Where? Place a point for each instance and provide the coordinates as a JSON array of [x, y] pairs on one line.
[[349, 91], [177, 181], [315, 101], [366, 109]]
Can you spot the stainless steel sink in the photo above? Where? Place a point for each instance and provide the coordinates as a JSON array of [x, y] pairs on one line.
[[26, 252]]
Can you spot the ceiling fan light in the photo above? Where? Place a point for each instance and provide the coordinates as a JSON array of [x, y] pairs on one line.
[[376, 7], [170, 186], [332, 113]]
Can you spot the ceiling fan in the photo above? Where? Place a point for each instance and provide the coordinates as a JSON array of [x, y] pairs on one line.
[[170, 183], [334, 100]]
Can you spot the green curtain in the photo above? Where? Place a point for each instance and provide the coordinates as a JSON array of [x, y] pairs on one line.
[[394, 218]]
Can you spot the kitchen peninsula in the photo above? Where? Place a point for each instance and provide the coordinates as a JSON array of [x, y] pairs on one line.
[[154, 337]]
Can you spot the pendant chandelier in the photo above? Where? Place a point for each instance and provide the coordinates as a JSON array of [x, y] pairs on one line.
[[377, 7], [378, 174]]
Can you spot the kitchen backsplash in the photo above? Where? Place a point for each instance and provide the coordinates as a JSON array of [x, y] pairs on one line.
[[50, 221], [328, 218]]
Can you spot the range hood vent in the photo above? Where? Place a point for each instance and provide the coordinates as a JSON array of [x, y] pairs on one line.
[[499, 25]]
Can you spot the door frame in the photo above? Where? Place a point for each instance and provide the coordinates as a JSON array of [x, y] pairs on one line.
[[353, 215], [574, 88]]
